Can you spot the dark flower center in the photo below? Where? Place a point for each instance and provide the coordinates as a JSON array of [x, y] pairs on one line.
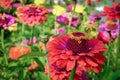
[[78, 34], [111, 25], [33, 11], [77, 47]]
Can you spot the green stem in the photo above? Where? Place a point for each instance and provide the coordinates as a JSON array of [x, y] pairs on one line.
[[22, 31], [73, 11], [118, 47], [3, 46], [32, 35], [73, 72]]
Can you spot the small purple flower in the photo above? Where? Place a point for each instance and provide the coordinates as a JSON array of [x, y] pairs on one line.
[[34, 41], [69, 7], [25, 42], [75, 22], [29, 42], [95, 17], [6, 20], [62, 31], [62, 19]]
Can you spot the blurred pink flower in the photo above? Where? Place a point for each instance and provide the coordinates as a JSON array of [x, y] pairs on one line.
[[29, 42], [32, 14], [104, 36], [6, 20]]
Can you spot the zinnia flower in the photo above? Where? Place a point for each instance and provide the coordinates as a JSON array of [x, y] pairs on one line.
[[112, 12], [111, 27], [17, 51], [64, 51], [32, 14], [65, 18], [6, 3], [58, 10], [6, 21], [104, 36], [95, 17], [57, 73]]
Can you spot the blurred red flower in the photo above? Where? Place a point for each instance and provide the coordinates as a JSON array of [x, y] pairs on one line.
[[112, 12], [65, 50], [6, 3], [32, 14], [90, 1], [17, 51]]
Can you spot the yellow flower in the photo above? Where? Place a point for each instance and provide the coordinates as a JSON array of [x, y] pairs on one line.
[[13, 27], [38, 2], [79, 8], [58, 10]]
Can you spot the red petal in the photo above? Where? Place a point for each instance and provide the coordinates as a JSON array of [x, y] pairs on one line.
[[91, 62], [61, 63], [97, 69], [70, 65]]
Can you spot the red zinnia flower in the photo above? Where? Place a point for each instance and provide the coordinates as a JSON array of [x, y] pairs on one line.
[[17, 51], [65, 50], [112, 12], [6, 3], [32, 14], [90, 1]]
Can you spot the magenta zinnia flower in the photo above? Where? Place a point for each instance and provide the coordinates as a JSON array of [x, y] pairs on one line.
[[32, 14], [6, 20], [95, 17], [64, 51], [65, 18]]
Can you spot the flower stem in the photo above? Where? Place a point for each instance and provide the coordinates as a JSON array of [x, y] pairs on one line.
[[118, 47], [22, 30], [3, 46], [73, 72], [70, 21], [32, 35]]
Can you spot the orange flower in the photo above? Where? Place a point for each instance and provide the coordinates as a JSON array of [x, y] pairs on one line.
[[17, 51], [33, 66]]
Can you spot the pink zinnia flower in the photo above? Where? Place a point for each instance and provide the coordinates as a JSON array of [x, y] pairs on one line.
[[6, 3], [32, 14]]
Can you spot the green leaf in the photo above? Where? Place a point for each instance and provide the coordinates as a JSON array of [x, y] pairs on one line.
[[43, 76], [32, 55], [40, 63], [114, 75]]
